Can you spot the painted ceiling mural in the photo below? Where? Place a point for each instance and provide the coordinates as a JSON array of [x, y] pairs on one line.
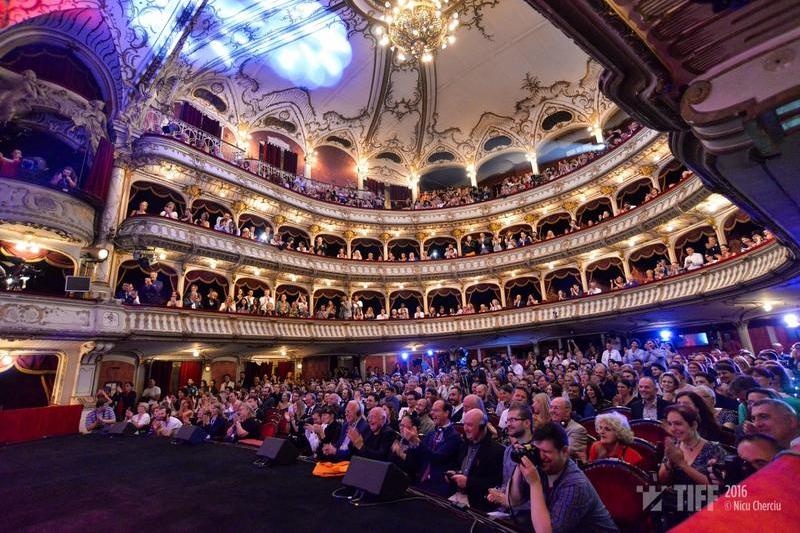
[[313, 70]]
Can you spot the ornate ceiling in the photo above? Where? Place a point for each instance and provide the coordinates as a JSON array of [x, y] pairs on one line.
[[313, 69]]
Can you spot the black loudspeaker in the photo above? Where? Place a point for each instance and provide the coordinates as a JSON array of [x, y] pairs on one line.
[[190, 435], [278, 451], [77, 284], [381, 479], [122, 429]]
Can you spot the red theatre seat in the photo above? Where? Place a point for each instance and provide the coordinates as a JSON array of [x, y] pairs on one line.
[[619, 409], [770, 503], [650, 454], [21, 425], [616, 483], [588, 423], [649, 430]]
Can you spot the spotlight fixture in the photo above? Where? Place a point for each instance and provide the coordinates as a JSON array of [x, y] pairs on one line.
[[404, 356], [791, 320], [665, 335], [95, 254]]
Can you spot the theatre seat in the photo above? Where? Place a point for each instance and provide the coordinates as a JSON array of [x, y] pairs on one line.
[[650, 454], [649, 430], [268, 429], [588, 423], [616, 483]]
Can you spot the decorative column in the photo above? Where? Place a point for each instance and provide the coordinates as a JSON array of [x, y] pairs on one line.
[[718, 231], [421, 236], [385, 238], [542, 286], [238, 208], [348, 239], [502, 295], [191, 193], [413, 184], [458, 233], [626, 266], [584, 281], [179, 270], [494, 227], [425, 301], [463, 297], [649, 171], [110, 217], [744, 335], [671, 253], [570, 206], [531, 220], [388, 293], [610, 193]]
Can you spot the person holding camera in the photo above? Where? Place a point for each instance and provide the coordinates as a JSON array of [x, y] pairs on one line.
[[481, 463], [561, 496], [753, 453]]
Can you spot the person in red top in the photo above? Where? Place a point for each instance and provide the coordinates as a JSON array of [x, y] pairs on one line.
[[615, 439], [9, 168]]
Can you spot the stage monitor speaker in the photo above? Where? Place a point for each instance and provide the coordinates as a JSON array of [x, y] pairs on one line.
[[77, 284], [278, 451], [378, 478], [122, 429], [191, 435]]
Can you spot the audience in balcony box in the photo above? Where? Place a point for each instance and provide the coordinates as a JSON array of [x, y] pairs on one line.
[[169, 211], [225, 224], [693, 260], [141, 209], [66, 180], [193, 300], [10, 167]]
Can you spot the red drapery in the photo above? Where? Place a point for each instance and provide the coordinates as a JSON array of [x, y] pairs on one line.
[[284, 367], [21, 425], [98, 179], [190, 370]]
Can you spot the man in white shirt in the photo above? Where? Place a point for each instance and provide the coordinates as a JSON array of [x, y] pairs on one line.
[[693, 260], [165, 425], [594, 288], [419, 313], [610, 354], [152, 392]]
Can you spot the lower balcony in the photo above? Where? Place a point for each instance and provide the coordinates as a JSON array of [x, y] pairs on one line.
[[26, 315]]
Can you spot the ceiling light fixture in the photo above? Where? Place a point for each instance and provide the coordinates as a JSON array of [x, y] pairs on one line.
[[417, 29]]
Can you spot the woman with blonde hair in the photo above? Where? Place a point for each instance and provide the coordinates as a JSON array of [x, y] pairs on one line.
[[615, 438], [541, 410]]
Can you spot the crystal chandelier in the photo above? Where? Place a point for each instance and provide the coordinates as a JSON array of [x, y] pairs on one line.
[[416, 29]]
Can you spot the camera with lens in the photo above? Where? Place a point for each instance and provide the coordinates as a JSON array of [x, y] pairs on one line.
[[732, 470], [526, 450]]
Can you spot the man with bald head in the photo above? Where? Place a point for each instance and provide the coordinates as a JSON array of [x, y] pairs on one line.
[[377, 444], [561, 413], [353, 419], [438, 451], [481, 463]]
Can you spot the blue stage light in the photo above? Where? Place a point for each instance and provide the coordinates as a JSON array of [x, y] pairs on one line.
[[791, 320], [404, 356], [430, 353], [665, 335]]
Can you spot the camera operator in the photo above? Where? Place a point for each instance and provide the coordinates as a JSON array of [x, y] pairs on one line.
[[753, 453], [514, 492], [562, 497]]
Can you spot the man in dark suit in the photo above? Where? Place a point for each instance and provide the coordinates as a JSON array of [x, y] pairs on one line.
[[353, 419], [649, 404], [377, 445], [481, 462], [329, 432], [438, 452]]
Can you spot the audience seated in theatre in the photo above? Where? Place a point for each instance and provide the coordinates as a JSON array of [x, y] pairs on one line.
[[778, 419], [615, 438], [101, 417], [437, 452], [377, 444], [561, 413], [649, 404], [140, 420], [561, 496], [164, 424], [481, 463]]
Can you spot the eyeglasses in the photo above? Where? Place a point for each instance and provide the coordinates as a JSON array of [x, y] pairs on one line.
[[514, 419]]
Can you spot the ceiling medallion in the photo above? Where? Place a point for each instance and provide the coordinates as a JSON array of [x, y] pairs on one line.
[[417, 29]]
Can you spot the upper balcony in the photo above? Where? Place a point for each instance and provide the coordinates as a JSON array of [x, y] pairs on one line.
[[160, 232], [26, 315], [197, 151]]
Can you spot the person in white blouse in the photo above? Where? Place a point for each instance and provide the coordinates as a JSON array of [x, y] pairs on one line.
[[141, 419], [693, 260], [169, 211]]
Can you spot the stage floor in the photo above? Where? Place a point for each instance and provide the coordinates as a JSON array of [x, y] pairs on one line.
[[98, 483]]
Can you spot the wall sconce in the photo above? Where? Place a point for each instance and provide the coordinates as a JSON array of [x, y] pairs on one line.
[[531, 157]]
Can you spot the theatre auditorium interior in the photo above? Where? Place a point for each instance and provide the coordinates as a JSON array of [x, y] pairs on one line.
[[400, 265]]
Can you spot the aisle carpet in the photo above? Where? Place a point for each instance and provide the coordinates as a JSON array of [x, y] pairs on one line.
[[98, 483]]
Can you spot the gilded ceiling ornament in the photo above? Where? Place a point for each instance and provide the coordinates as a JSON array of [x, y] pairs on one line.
[[386, 236], [279, 220], [647, 170], [421, 236], [457, 233], [569, 205], [495, 227], [349, 234], [607, 190], [314, 229]]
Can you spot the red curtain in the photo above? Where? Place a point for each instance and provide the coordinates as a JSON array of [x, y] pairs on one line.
[[191, 115], [284, 367], [161, 372], [290, 162], [399, 193], [98, 180], [190, 370]]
